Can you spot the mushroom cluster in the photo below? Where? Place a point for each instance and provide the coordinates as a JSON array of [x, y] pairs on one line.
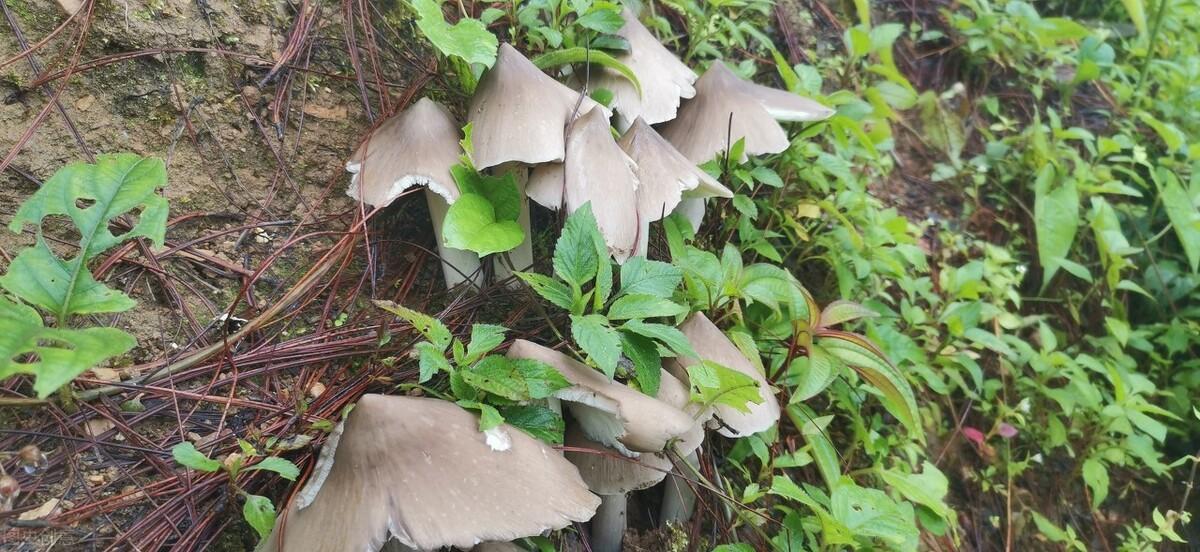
[[559, 145]]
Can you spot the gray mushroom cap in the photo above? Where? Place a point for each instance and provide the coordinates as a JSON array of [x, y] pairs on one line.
[[518, 113], [416, 147], [712, 345], [606, 471], [727, 108], [418, 470], [610, 412]]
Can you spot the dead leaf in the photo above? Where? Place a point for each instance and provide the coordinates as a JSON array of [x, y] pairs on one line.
[[45, 510], [316, 390], [335, 113], [97, 427], [106, 374]]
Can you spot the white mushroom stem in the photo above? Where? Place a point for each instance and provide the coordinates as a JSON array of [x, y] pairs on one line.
[[458, 266], [679, 500], [608, 527], [521, 257]]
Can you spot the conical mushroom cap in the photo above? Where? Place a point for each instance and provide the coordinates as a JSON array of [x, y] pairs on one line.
[[664, 175], [664, 79], [606, 472], [420, 471], [596, 170], [712, 345], [704, 126], [414, 148], [518, 113], [610, 412]]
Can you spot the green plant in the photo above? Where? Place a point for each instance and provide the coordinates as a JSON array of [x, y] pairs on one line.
[[258, 510], [467, 44], [484, 217], [95, 198]]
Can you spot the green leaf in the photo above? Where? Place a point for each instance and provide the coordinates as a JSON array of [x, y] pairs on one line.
[[667, 335], [1056, 218], [260, 514], [646, 362], [873, 366], [552, 290], [871, 513], [285, 468], [842, 311], [584, 55], [599, 340], [1095, 475], [1185, 218], [489, 417], [468, 39], [538, 421], [643, 306], [484, 338], [928, 488], [713, 383], [186, 454], [815, 373], [92, 196], [428, 326], [575, 259], [514, 379], [471, 224], [639, 275], [602, 19], [501, 191], [430, 361], [53, 356], [1137, 14]]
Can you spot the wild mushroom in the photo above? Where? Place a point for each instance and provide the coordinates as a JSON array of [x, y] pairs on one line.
[[663, 78], [415, 148], [419, 471], [611, 476], [664, 177], [726, 109], [518, 117], [595, 170], [679, 499], [712, 345], [610, 412]]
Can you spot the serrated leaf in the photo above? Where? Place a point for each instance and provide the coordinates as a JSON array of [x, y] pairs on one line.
[[643, 306], [599, 340], [606, 19], [871, 513], [646, 362], [53, 356], [713, 384], [575, 259], [639, 275], [472, 224], [285, 468], [667, 335], [468, 39], [428, 326], [116, 185], [514, 379], [186, 454], [484, 338], [842, 311], [260, 514], [550, 289], [430, 361], [538, 421]]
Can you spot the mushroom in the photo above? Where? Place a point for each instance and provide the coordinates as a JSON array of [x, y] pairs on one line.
[[595, 170], [611, 476], [418, 470], [518, 118], [664, 177], [610, 412], [663, 78], [415, 148], [726, 109], [679, 499], [711, 344]]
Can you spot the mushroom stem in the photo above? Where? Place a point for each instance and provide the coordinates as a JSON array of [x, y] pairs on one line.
[[458, 266], [679, 500], [520, 258], [608, 527]]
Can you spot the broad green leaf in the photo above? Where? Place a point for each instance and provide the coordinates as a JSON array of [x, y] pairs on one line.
[[584, 55], [53, 356], [500, 191], [928, 488], [713, 384], [602, 18], [468, 39], [550, 289], [92, 196], [639, 275], [643, 306], [1056, 218], [538, 421], [430, 361], [285, 468], [814, 372], [599, 340], [575, 257], [489, 417], [842, 311], [260, 514], [1185, 218], [472, 224], [667, 335], [871, 513], [873, 366], [186, 454], [814, 429], [646, 362], [1137, 14], [428, 326], [514, 379], [484, 338], [1095, 475]]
